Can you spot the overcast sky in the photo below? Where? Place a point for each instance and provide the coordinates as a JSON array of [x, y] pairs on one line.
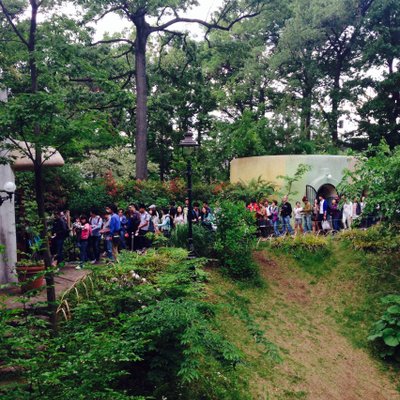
[[112, 23]]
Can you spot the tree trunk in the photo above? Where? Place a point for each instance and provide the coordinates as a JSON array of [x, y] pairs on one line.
[[335, 99], [39, 193], [142, 33], [38, 168], [305, 127]]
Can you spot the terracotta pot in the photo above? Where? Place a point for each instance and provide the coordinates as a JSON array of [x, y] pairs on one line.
[[26, 276]]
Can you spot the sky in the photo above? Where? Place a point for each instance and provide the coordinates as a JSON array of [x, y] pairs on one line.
[[112, 23]]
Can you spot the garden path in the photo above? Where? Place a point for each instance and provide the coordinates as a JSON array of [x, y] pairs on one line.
[[319, 363]]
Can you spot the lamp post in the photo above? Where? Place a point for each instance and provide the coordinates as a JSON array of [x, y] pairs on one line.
[[9, 189], [188, 145]]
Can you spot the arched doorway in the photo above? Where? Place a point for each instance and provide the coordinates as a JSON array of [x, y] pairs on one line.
[[328, 191]]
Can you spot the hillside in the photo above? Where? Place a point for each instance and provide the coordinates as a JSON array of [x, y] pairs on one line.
[[318, 313]]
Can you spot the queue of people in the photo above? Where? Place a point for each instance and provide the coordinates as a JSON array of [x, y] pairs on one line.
[[105, 233], [318, 217]]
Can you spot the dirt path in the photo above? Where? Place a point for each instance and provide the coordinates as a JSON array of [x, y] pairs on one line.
[[318, 362]]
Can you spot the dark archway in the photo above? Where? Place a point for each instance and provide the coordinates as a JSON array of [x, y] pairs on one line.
[[328, 191]]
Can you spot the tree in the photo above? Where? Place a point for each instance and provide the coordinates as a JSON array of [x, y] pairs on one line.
[[167, 14], [380, 114], [45, 109]]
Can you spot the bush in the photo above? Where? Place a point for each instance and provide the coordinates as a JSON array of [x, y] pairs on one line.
[[244, 192], [379, 238], [235, 239], [312, 253], [386, 332], [203, 239], [138, 329], [309, 243]]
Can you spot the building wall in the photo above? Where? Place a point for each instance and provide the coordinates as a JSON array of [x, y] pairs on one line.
[[7, 231], [325, 169]]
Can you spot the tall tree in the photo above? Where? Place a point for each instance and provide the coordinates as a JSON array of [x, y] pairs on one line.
[[45, 109], [380, 114], [167, 13]]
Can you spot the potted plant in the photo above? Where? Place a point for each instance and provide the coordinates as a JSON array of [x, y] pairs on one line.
[[30, 270]]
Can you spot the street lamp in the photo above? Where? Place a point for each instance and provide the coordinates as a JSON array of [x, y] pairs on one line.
[[9, 189], [188, 145]]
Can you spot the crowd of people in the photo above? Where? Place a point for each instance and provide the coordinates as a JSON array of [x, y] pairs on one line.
[[321, 216], [105, 233]]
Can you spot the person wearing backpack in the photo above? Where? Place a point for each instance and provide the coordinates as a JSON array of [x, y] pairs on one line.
[[166, 223]]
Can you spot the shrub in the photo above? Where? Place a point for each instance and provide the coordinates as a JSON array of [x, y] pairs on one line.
[[386, 332], [241, 191], [309, 243], [235, 239], [139, 329], [203, 239], [378, 238], [312, 253]]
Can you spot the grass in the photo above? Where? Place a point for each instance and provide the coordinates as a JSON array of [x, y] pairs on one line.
[[311, 300]]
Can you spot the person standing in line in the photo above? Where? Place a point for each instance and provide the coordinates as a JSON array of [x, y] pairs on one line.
[[347, 213], [86, 231], [186, 209], [286, 213], [60, 233], [356, 209], [196, 214], [105, 232], [298, 223], [115, 228], [323, 210], [275, 217], [133, 223], [143, 228], [315, 216], [335, 213], [261, 217], [307, 213], [206, 218], [96, 223], [172, 209], [154, 218], [253, 206], [124, 223], [179, 217], [165, 226]]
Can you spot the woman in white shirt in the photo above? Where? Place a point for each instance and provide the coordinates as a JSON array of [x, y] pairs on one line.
[[179, 218], [347, 216], [298, 220]]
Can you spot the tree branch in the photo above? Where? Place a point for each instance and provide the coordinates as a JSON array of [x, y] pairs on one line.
[[112, 9], [208, 25], [13, 26], [108, 41]]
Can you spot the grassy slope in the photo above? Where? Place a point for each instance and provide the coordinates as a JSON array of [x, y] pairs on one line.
[[318, 311]]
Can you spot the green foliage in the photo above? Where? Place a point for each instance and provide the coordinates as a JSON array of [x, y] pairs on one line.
[[93, 194], [308, 243], [385, 333], [377, 173], [289, 180], [134, 330], [203, 239], [235, 238], [257, 189], [311, 253], [239, 306], [378, 238]]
